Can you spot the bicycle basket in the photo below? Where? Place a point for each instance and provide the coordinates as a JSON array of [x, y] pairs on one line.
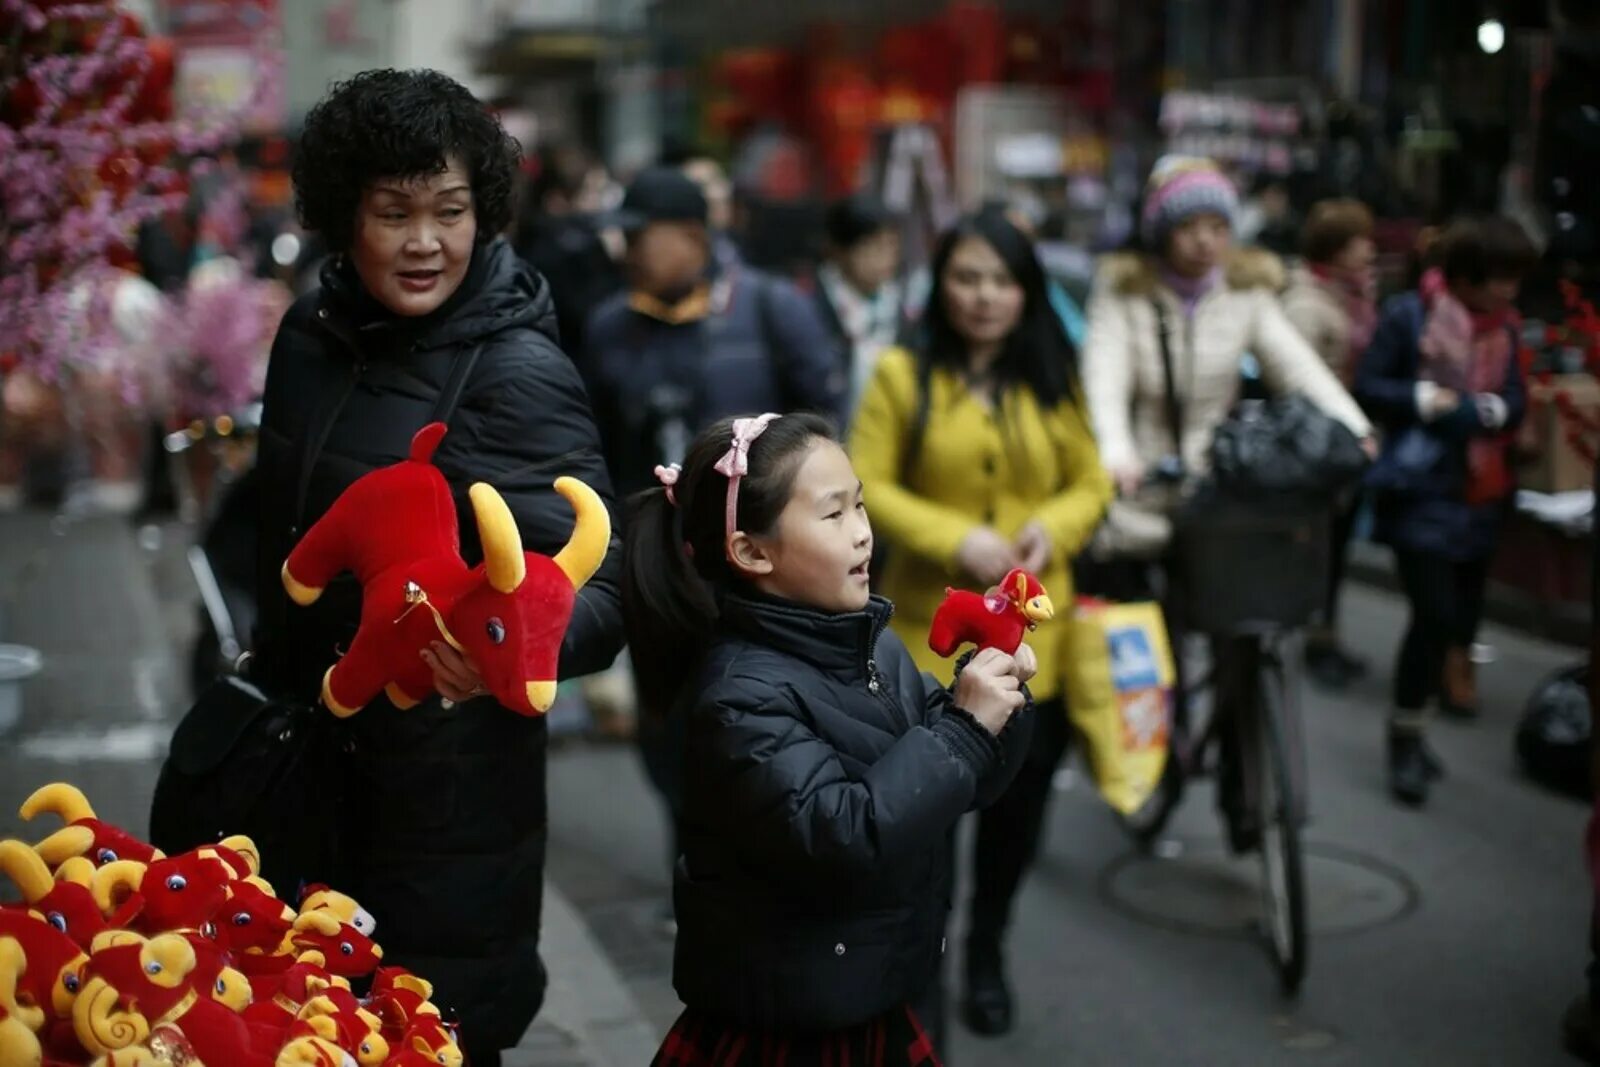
[[1246, 566]]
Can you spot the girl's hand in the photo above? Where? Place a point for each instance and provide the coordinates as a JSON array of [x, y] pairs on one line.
[[1025, 664], [986, 555], [988, 689], [1033, 547], [454, 675]]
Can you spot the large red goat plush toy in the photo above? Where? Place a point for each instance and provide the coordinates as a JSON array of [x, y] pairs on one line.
[[997, 619], [396, 529]]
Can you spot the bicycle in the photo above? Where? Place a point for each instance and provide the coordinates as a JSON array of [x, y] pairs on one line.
[[1251, 622]]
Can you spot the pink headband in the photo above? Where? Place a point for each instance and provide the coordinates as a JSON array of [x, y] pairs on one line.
[[736, 464]]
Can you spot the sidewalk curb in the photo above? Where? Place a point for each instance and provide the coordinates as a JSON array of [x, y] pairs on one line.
[[589, 1018]]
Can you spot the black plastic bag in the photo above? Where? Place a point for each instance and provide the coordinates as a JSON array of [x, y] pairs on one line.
[[1284, 447], [1556, 732]]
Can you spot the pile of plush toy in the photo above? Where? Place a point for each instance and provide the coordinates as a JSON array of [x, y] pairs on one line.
[[123, 957]]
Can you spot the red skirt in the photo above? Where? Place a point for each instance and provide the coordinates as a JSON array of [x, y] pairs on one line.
[[893, 1039]]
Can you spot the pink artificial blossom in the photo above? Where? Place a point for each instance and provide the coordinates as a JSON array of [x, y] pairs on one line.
[[79, 177]]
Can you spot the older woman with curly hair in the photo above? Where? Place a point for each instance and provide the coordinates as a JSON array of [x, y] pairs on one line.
[[424, 312]]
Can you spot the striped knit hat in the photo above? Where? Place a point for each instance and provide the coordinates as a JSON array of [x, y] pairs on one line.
[[1180, 188]]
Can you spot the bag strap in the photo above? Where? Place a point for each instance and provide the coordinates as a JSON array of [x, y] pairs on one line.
[[1169, 378], [776, 350], [322, 425]]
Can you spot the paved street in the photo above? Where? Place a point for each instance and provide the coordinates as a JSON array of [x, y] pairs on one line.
[[1454, 936]]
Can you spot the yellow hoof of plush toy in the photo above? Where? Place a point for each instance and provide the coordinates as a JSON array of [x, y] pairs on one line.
[[541, 695], [304, 595], [398, 698], [332, 704]]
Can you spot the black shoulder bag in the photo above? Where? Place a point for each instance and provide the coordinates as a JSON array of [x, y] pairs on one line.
[[244, 761]]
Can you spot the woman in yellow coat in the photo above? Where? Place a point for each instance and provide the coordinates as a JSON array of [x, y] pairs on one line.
[[977, 457]]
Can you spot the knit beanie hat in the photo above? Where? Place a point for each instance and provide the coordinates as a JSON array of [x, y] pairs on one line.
[[1180, 188]]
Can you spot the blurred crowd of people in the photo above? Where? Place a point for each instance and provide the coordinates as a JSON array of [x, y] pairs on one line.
[[995, 423]]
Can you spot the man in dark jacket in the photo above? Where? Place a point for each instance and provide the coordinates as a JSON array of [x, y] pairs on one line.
[[441, 809], [695, 338]]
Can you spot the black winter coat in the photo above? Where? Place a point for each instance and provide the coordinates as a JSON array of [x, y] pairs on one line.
[[823, 780], [443, 811]]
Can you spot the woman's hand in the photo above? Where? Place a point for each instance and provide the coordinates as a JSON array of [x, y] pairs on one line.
[[1129, 478], [1033, 547], [988, 689], [986, 555], [1025, 664], [454, 675]]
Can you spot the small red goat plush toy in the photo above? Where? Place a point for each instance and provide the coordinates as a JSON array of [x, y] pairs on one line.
[[395, 528], [998, 619]]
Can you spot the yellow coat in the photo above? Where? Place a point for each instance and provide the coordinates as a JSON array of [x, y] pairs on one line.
[[975, 469]]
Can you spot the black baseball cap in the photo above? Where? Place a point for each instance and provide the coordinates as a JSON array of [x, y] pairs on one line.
[[661, 194]]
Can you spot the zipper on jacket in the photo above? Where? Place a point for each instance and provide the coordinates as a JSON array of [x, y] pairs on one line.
[[875, 681], [876, 686]]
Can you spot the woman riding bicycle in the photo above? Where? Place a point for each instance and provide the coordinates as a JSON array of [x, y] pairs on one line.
[[1168, 329]]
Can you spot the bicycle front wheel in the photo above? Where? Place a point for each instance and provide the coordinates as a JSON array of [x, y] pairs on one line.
[[1283, 882]]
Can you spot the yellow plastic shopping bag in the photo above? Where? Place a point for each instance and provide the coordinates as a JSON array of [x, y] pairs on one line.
[[1120, 678]]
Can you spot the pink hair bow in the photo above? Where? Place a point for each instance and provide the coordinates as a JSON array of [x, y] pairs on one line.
[[668, 477]]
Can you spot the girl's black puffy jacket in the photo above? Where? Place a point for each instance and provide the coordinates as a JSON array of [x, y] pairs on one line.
[[824, 777]]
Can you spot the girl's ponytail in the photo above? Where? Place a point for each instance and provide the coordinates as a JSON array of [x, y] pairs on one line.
[[667, 609]]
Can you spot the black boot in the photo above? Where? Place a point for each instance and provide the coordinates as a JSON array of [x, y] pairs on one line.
[[1431, 760], [1409, 772], [1330, 666], [987, 1004]]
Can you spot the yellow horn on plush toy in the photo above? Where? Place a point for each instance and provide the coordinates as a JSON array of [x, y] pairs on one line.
[[502, 544], [591, 534], [123, 874], [25, 868], [247, 850], [78, 870], [100, 1027], [64, 800], [65, 844], [13, 961], [318, 922]]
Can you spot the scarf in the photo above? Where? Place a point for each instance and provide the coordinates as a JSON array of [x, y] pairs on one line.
[[1190, 291], [1357, 293], [1469, 353], [870, 324]]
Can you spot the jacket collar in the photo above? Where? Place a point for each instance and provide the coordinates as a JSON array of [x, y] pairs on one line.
[[497, 293], [1135, 274], [841, 645]]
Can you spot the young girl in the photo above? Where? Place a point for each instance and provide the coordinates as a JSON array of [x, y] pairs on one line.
[[823, 774]]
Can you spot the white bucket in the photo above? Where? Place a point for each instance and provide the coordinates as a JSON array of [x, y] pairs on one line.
[[18, 663]]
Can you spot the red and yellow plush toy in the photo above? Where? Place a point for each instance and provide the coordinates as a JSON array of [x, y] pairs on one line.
[[191, 959], [83, 834], [395, 528], [1000, 618]]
